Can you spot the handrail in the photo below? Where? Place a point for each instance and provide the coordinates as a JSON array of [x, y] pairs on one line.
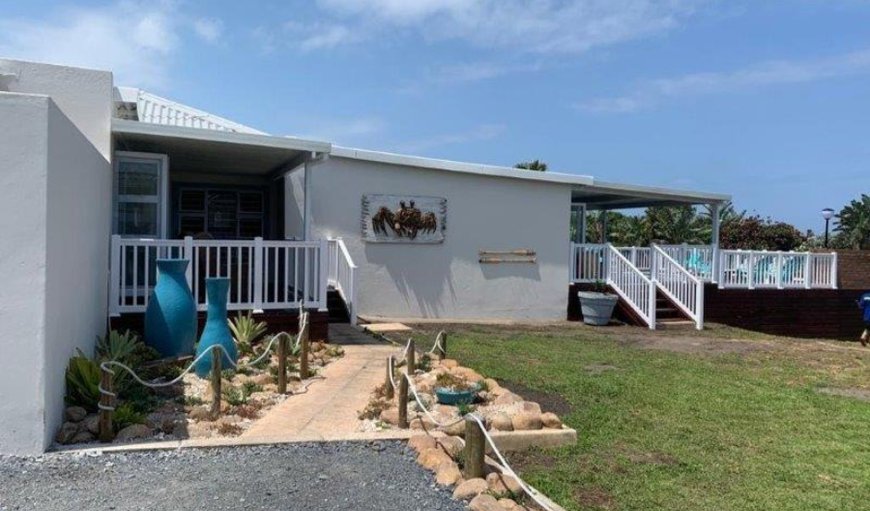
[[343, 275], [679, 284], [632, 285]]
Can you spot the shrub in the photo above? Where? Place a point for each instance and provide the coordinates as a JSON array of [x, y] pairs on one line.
[[117, 346], [246, 330], [82, 382], [454, 383], [126, 415]]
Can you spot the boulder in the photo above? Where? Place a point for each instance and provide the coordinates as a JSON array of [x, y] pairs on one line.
[[468, 374], [229, 419], [82, 437], [507, 398], [422, 423], [92, 424], [503, 484], [447, 473], [457, 429], [530, 406], [501, 421], [263, 379], [452, 445], [493, 387], [67, 431], [75, 413], [390, 416], [421, 442], [470, 489], [432, 458], [484, 502], [551, 420], [510, 505], [524, 421], [449, 363], [133, 432]]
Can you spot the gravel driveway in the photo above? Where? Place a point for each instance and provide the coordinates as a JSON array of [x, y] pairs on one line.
[[328, 476]]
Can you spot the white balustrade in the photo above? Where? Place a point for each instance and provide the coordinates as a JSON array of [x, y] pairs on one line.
[[632, 285], [753, 269], [699, 260], [263, 274], [684, 289], [342, 275], [588, 262]]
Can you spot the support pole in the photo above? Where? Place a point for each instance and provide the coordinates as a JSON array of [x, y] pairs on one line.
[[443, 346], [411, 357], [603, 226], [403, 402], [475, 448], [282, 364], [216, 356], [388, 380], [107, 431], [303, 343]]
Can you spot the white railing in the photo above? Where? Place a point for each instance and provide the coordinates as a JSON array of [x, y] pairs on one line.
[[641, 257], [263, 274], [699, 260], [679, 284], [588, 262], [342, 275], [751, 269], [632, 285]]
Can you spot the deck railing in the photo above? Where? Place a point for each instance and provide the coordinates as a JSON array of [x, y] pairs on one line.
[[699, 260], [683, 288], [641, 257], [588, 262], [751, 269], [263, 274], [632, 285], [343, 275]]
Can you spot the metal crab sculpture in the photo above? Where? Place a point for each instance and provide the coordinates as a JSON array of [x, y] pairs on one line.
[[406, 222]]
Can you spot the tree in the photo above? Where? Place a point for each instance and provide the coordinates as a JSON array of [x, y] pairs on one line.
[[675, 224], [536, 165], [757, 233], [853, 224]]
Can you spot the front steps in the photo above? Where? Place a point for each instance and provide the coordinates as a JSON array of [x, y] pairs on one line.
[[669, 317], [337, 309]]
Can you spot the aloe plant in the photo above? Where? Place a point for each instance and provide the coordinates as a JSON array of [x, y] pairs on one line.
[[246, 330], [117, 346], [82, 382]]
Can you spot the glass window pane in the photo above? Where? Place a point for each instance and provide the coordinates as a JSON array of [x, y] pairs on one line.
[[138, 177], [138, 218], [250, 202], [250, 227], [191, 225], [222, 210], [192, 200]]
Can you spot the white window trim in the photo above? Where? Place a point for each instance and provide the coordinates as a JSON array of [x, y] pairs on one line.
[[162, 200]]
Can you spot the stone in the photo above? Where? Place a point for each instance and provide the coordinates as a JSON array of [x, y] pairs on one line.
[[457, 429], [200, 413], [133, 432], [432, 457], [467, 374], [551, 420], [507, 398], [530, 406], [75, 413], [82, 437], [525, 421], [470, 489], [92, 424], [452, 445], [503, 484], [447, 473], [161, 422], [421, 442], [229, 419], [390, 416], [484, 502], [493, 387], [422, 423], [263, 379], [67, 431], [510, 505], [501, 421], [449, 363]]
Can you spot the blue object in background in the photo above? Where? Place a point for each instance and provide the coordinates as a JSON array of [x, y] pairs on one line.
[[864, 304], [217, 330], [170, 319]]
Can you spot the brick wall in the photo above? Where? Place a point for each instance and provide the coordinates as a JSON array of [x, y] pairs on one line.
[[853, 269]]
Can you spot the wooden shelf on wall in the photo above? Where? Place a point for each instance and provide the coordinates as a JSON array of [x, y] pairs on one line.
[[526, 256]]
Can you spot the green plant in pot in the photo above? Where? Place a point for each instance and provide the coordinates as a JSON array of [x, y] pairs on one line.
[[597, 305], [451, 390]]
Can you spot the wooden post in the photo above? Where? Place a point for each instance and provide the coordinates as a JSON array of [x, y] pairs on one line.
[[411, 357], [303, 352], [403, 402], [107, 431], [443, 346], [282, 364], [475, 448], [216, 356], [388, 381]]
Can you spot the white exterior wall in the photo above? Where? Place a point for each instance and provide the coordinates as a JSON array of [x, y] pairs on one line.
[[446, 280], [294, 203], [55, 191]]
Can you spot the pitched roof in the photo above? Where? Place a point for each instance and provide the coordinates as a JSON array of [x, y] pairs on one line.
[[137, 104]]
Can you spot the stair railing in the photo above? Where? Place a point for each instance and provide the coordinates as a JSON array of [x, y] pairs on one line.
[[679, 284], [343, 275], [630, 283]]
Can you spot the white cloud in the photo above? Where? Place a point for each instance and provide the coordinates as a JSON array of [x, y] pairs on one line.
[[542, 26], [209, 29], [478, 133], [133, 40], [766, 74]]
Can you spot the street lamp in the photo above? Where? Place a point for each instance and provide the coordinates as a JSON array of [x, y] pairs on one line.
[[827, 214]]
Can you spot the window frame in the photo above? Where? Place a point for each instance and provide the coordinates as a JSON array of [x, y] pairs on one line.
[[161, 199]]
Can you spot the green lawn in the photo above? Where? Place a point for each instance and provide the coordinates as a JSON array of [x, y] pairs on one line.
[[688, 423]]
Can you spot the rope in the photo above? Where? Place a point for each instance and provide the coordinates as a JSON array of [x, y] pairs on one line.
[[438, 342], [390, 364]]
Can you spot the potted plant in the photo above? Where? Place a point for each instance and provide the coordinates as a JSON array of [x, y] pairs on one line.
[[597, 305], [451, 390]]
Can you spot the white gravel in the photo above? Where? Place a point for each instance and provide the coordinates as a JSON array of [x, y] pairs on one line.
[[312, 476]]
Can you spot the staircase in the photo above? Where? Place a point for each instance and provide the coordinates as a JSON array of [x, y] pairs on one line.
[[668, 316], [338, 312]]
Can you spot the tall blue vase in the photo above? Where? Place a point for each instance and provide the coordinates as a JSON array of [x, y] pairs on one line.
[[170, 319], [216, 330]]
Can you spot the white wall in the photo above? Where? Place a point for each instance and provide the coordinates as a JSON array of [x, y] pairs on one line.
[[294, 203], [83, 95], [446, 280]]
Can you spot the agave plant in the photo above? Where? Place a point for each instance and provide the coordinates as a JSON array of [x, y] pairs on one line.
[[82, 382], [246, 330], [117, 346]]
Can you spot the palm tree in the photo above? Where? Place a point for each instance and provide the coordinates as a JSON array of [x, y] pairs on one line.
[[853, 223], [728, 216], [675, 224], [536, 165]]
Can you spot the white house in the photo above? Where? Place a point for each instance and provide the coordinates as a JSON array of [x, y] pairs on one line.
[[98, 181]]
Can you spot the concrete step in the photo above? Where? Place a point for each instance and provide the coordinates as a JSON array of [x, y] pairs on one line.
[[675, 324]]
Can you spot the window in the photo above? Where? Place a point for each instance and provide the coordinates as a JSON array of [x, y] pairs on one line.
[[140, 191], [222, 213]]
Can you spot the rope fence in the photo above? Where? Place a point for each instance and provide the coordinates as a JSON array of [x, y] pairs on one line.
[[218, 353]]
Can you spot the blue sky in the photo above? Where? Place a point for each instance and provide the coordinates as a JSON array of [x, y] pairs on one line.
[[768, 101]]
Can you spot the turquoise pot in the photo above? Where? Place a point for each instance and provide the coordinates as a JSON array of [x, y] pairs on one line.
[[170, 319], [216, 330]]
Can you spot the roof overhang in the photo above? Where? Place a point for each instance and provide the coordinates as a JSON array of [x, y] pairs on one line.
[[606, 195], [212, 151]]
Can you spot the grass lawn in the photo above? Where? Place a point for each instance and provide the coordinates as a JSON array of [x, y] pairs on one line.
[[679, 421]]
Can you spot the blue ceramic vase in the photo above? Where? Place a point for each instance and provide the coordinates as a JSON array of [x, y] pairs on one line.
[[217, 330], [170, 319]]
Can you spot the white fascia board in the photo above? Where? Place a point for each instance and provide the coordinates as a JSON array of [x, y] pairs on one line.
[[455, 166], [655, 192], [122, 126]]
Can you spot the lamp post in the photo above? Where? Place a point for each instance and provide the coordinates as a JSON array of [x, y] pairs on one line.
[[827, 214]]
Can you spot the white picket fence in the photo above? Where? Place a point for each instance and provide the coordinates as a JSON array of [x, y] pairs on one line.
[[343, 275], [263, 274], [751, 269]]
